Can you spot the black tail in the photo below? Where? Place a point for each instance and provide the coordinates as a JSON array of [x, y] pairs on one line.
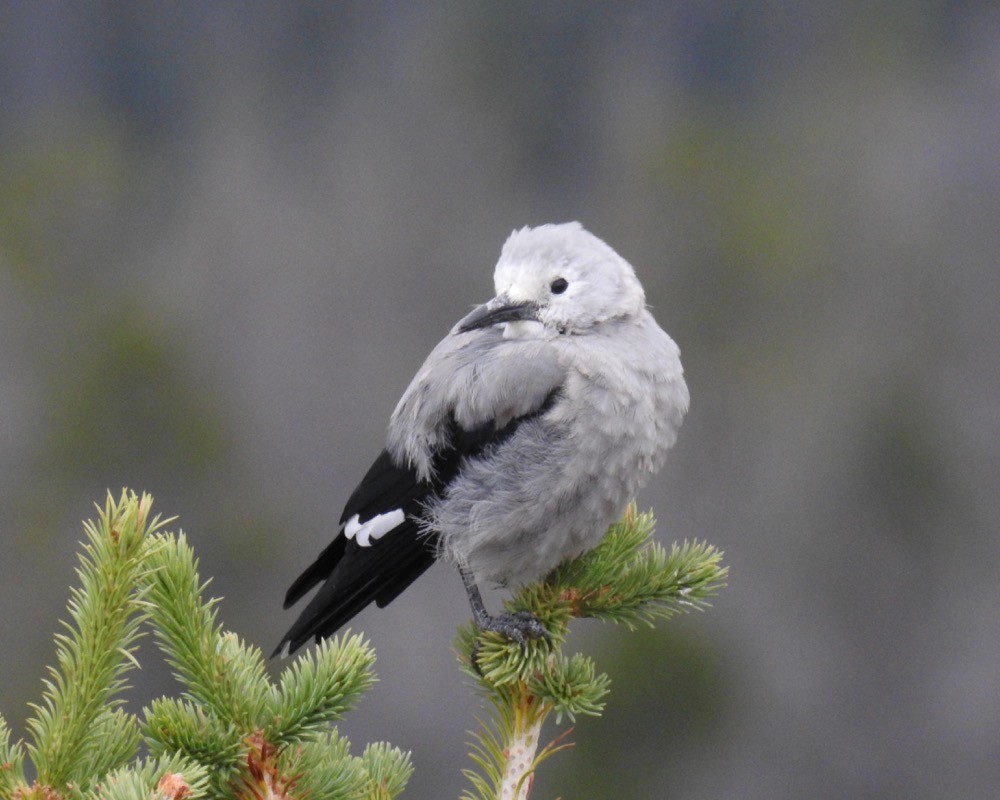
[[354, 577]]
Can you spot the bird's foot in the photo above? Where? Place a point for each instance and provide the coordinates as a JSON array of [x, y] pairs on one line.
[[519, 627]]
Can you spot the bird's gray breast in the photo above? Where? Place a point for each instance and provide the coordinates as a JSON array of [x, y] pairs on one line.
[[550, 491]]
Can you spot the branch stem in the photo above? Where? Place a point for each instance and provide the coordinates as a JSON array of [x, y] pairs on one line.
[[520, 752]]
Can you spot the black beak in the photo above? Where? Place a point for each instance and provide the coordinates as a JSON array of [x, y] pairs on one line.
[[497, 310]]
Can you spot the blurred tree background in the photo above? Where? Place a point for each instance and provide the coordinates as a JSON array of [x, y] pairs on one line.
[[230, 232]]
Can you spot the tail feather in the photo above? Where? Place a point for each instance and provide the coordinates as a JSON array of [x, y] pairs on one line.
[[319, 570], [355, 577]]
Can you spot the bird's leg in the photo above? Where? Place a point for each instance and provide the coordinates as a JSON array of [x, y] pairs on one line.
[[518, 627]]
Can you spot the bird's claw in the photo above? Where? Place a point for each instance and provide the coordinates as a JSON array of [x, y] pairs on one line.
[[519, 627]]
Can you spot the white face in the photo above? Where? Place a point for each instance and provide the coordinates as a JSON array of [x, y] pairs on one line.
[[575, 280]]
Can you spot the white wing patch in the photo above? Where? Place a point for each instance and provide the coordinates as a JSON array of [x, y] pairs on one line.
[[375, 528]]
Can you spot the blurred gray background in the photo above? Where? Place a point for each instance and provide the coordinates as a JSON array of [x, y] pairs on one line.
[[230, 232]]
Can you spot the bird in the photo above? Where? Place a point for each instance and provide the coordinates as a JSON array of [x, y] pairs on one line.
[[522, 437]]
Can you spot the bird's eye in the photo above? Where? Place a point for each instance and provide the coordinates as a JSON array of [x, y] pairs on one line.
[[559, 285]]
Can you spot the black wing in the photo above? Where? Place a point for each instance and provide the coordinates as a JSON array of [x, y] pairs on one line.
[[385, 487], [353, 576]]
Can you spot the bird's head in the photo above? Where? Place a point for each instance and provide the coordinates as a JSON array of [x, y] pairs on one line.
[[558, 279]]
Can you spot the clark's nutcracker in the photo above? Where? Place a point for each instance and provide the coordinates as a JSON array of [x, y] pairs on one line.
[[520, 440]]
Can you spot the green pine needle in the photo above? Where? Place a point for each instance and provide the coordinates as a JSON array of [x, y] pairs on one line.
[[232, 734], [11, 762], [628, 579], [571, 687], [111, 742], [488, 750], [218, 670], [175, 725], [323, 767], [388, 768], [168, 778], [95, 651], [319, 687]]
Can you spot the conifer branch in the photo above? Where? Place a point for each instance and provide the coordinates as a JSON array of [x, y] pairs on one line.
[[168, 778], [11, 762], [220, 673], [628, 580], [97, 649], [233, 733], [320, 686]]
